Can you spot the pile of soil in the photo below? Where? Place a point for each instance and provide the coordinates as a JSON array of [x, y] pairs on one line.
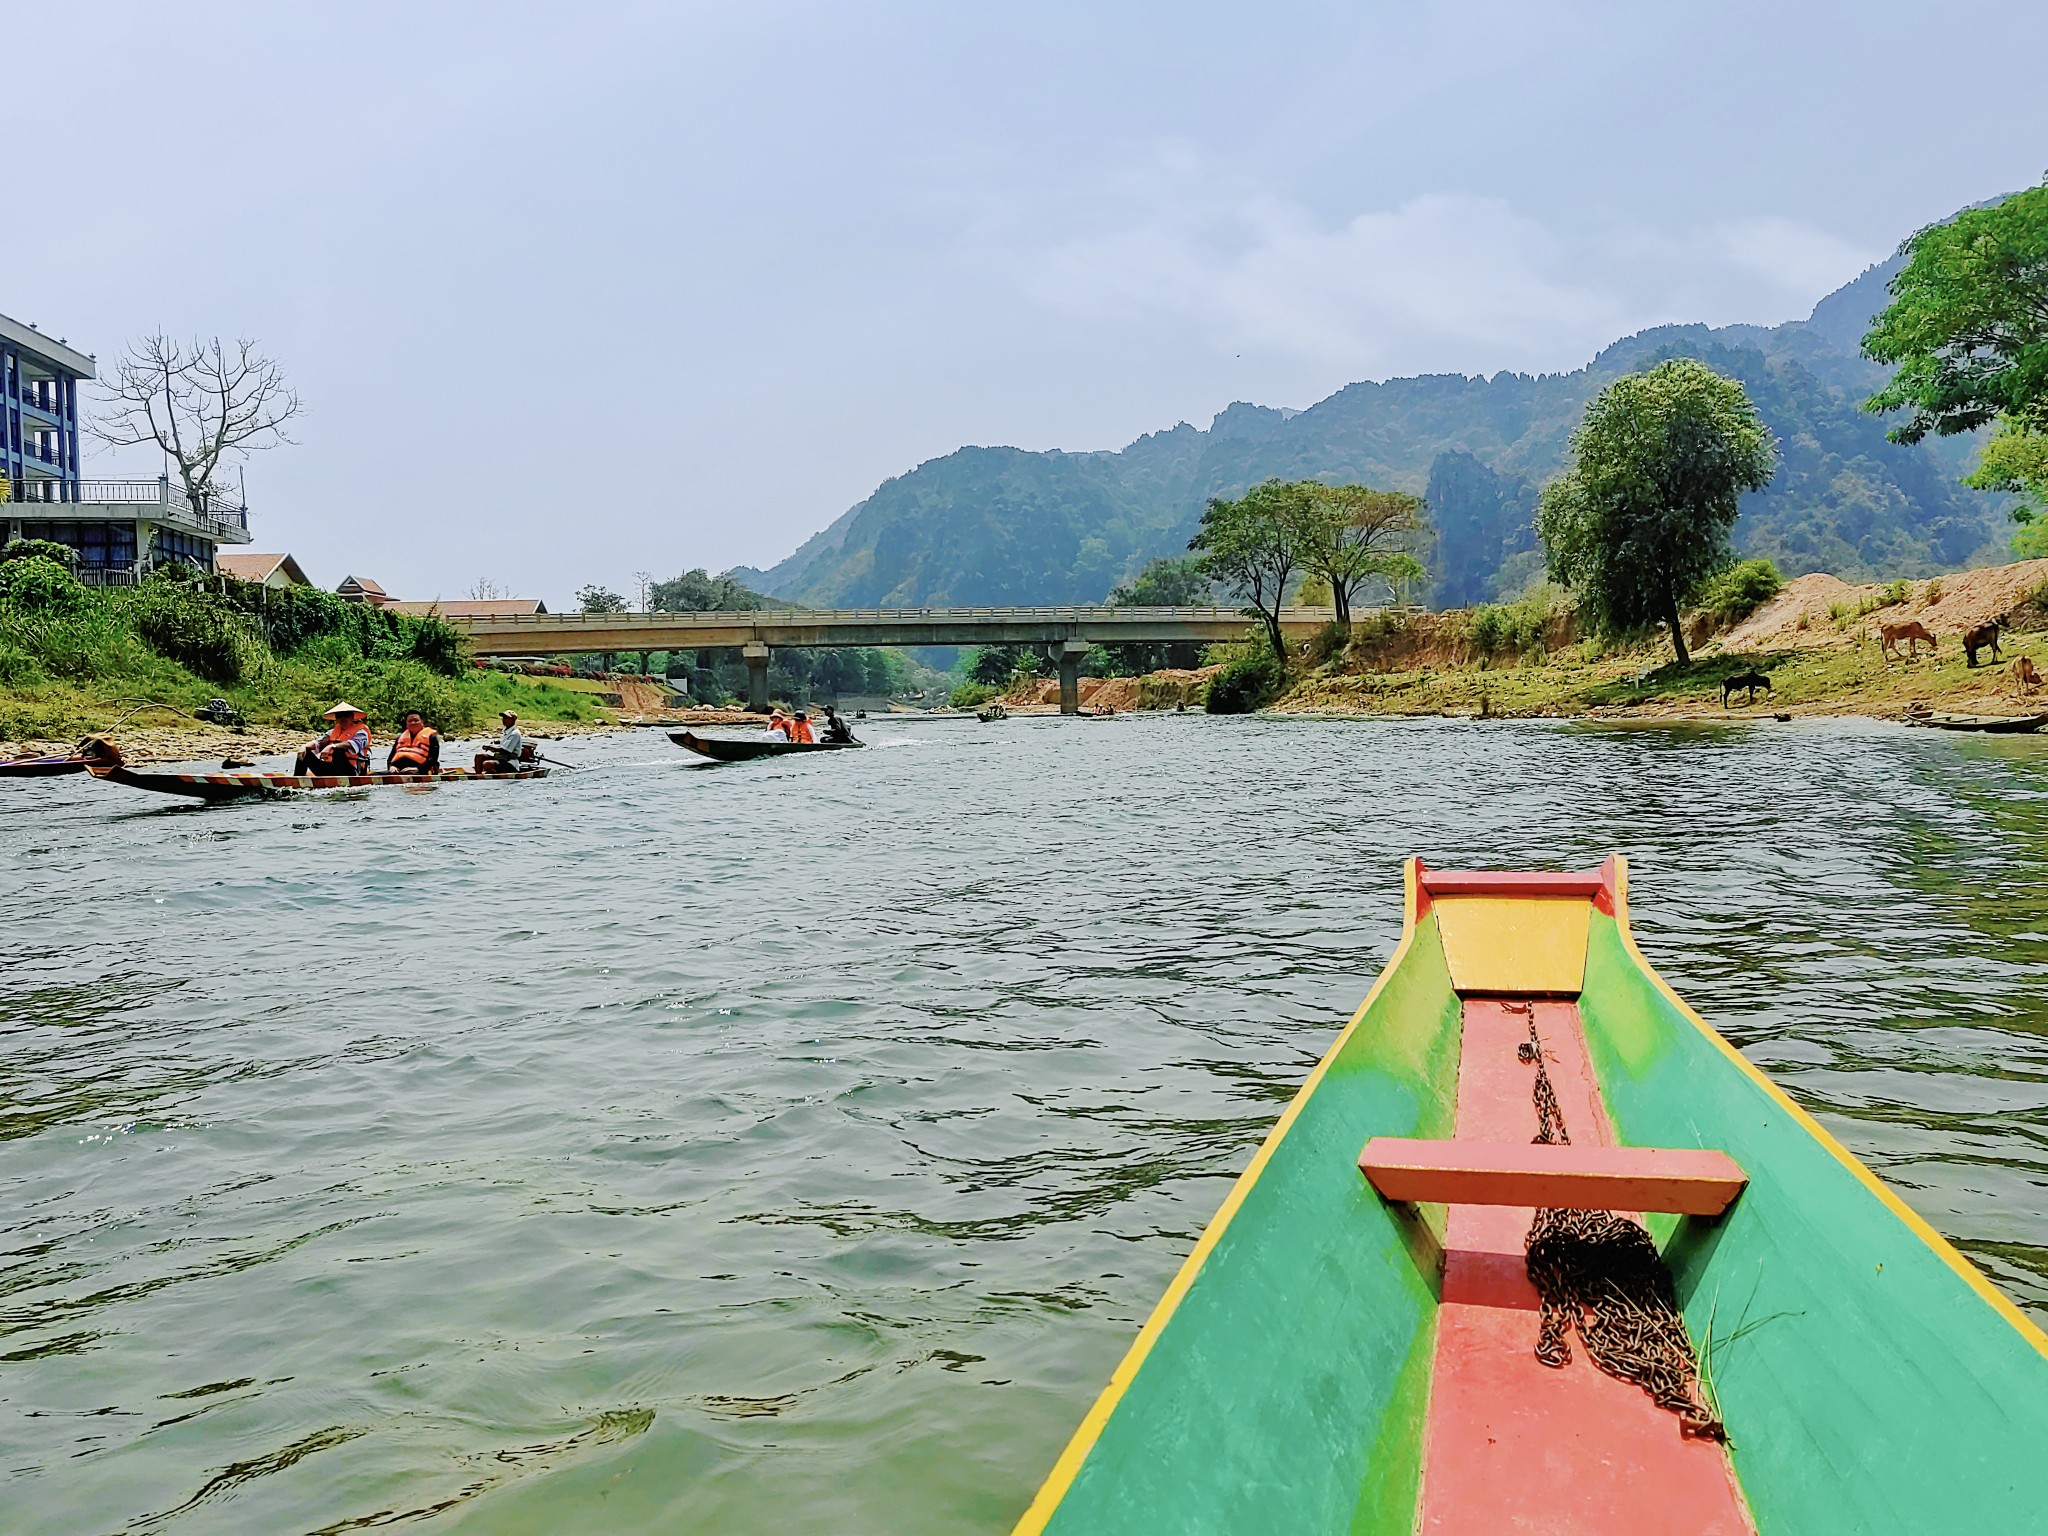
[[1947, 605], [1155, 690]]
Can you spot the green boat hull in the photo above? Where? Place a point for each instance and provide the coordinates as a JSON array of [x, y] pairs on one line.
[[1871, 1379]]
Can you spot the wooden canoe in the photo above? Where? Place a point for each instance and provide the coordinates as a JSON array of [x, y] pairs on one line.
[[2001, 724], [726, 749], [233, 786], [1332, 1359], [40, 767]]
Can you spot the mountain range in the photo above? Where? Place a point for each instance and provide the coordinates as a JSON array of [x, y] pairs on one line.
[[1007, 525]]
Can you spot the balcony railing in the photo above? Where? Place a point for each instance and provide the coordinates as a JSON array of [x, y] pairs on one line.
[[212, 511]]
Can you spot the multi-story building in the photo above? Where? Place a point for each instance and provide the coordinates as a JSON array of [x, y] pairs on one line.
[[121, 529]]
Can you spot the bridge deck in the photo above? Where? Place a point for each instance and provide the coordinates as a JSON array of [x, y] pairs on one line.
[[555, 634]]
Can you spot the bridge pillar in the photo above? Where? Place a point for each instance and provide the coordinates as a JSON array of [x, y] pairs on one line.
[[1072, 654], [757, 675]]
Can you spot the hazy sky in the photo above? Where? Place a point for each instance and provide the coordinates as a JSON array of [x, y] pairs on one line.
[[577, 291]]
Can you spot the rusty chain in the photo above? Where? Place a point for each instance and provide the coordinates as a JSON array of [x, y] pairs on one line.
[[1600, 1273]]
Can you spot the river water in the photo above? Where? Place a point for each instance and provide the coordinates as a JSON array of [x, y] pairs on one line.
[[794, 1147]]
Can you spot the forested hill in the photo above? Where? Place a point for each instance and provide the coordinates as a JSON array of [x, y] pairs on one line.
[[1003, 525]]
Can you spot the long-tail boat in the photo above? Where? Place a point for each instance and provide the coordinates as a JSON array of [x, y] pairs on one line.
[[234, 786], [1391, 1324], [728, 749], [42, 767]]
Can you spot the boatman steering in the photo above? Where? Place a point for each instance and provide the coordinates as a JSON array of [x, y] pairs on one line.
[[504, 757], [417, 749], [344, 751]]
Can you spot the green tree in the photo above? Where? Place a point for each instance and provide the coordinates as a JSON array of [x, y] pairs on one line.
[[1659, 464], [1252, 546], [699, 591], [1163, 583], [1352, 535], [1967, 331], [2016, 459], [1967, 327], [596, 599]]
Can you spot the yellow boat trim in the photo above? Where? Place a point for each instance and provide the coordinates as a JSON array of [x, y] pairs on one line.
[[1516, 943], [1057, 1481], [1947, 1251]]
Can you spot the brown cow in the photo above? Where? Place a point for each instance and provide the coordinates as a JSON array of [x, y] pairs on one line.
[[1912, 631], [1974, 640], [2024, 676]]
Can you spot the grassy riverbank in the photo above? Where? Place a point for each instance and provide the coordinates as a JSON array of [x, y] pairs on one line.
[[1818, 642], [74, 660]]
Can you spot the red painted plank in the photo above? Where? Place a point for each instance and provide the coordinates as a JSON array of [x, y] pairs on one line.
[[1510, 1444], [1692, 1182], [1511, 882]]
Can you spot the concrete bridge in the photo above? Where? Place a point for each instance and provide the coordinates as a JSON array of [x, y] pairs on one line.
[[755, 635]]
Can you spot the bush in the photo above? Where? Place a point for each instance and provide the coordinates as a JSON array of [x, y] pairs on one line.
[[972, 695], [28, 549], [1327, 642], [387, 689], [1895, 592], [1512, 629], [37, 584], [1249, 680], [200, 630], [1732, 595]]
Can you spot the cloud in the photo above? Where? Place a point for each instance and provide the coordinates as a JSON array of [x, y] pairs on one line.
[[1797, 258], [1443, 281]]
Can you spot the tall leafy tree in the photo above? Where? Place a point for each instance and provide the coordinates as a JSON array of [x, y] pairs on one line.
[[1252, 547], [1351, 535], [699, 591], [597, 599], [1163, 583], [1967, 330], [1659, 465]]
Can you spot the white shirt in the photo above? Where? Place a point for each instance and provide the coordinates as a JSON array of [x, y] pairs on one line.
[[511, 742]]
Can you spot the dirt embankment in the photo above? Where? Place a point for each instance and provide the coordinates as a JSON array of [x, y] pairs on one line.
[[1821, 610], [1166, 689], [1817, 643]]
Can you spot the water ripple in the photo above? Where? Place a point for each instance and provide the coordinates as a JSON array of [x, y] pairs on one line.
[[799, 1144]]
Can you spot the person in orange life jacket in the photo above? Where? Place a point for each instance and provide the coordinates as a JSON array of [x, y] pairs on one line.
[[344, 751], [778, 724], [417, 749], [800, 729]]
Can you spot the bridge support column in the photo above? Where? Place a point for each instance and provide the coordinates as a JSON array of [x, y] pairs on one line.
[[757, 675], [1072, 654]]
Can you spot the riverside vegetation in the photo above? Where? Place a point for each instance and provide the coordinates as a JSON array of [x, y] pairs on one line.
[[75, 658]]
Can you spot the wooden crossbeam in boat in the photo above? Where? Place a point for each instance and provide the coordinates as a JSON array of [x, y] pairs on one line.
[[1690, 1182]]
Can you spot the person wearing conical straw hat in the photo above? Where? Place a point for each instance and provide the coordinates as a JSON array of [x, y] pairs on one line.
[[344, 752]]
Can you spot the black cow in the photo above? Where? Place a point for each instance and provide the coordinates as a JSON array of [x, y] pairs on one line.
[[1751, 681]]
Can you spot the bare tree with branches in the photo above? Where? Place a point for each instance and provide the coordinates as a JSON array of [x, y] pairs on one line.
[[202, 404]]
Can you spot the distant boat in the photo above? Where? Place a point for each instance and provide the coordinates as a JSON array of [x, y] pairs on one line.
[[1360, 1341], [2001, 724], [233, 786], [41, 767], [726, 749]]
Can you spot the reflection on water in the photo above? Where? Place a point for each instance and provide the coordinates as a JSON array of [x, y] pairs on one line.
[[796, 1146]]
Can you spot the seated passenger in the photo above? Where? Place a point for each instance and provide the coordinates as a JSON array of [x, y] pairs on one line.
[[778, 725], [417, 749], [505, 756], [344, 751], [800, 729]]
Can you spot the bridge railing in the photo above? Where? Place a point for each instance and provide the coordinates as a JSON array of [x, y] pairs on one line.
[[1077, 614]]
